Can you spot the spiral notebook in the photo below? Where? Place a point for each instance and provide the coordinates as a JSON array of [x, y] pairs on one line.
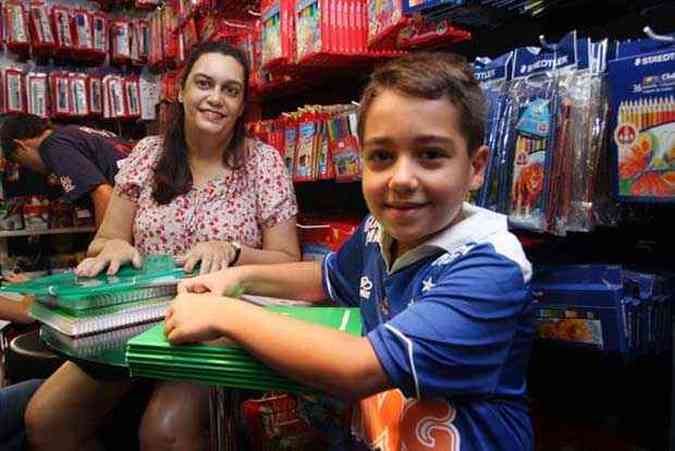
[[97, 320], [158, 277]]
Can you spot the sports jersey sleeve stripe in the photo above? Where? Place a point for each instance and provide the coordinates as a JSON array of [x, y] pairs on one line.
[[327, 288]]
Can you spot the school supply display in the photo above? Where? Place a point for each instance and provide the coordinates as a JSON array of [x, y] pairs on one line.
[[603, 307], [316, 142], [642, 130], [225, 363], [546, 129]]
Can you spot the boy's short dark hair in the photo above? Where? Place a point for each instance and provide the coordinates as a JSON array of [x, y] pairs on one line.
[[19, 126], [432, 76]]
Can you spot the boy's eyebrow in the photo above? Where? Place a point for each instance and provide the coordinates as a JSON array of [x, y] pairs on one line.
[[424, 139]]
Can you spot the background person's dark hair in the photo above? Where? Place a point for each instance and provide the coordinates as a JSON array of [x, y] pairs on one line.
[[172, 174], [432, 76], [19, 126]]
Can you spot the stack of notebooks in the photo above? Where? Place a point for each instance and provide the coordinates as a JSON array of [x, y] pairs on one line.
[[76, 306], [225, 363]]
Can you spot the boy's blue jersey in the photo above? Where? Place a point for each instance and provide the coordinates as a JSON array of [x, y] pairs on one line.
[[451, 319]]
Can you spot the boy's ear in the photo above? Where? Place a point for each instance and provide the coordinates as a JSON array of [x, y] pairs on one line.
[[478, 166]]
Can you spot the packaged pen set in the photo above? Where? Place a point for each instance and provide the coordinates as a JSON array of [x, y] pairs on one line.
[[77, 306], [317, 142], [605, 308], [642, 129], [545, 128]]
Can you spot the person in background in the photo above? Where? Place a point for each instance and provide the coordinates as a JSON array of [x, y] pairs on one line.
[[85, 160], [442, 286], [203, 193]]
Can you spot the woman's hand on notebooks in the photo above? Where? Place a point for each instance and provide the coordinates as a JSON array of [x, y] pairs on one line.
[[114, 254], [221, 283], [187, 323], [213, 255]]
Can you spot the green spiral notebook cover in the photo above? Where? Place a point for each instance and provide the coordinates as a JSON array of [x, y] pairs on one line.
[[225, 363], [158, 277]]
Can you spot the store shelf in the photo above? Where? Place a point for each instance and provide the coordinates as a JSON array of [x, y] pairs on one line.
[[67, 230]]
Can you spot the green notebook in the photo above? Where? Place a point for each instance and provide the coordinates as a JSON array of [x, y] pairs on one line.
[[158, 277], [227, 364]]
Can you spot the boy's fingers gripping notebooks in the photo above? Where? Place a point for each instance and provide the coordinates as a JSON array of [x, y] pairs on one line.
[[158, 277], [225, 363]]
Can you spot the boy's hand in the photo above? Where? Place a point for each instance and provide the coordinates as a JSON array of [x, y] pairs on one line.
[[192, 318], [221, 283]]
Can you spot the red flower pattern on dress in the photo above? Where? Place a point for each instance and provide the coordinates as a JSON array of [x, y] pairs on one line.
[[238, 206]]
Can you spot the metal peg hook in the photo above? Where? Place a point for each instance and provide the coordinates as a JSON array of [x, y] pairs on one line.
[[657, 37]]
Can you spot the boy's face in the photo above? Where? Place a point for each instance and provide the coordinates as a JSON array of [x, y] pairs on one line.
[[417, 169]]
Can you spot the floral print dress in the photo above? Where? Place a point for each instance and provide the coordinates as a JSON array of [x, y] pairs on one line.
[[237, 206]]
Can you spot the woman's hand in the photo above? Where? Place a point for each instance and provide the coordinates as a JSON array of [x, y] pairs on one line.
[[214, 255], [222, 283], [113, 255], [192, 318]]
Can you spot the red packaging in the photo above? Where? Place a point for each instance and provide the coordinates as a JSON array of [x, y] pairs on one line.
[[14, 93], [78, 92], [43, 39], [81, 23], [132, 96], [273, 424], [61, 97], [16, 28], [65, 42], [100, 34], [37, 94], [120, 37], [94, 95]]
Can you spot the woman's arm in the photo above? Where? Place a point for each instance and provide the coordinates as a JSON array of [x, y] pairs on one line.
[[112, 246], [117, 224], [280, 245]]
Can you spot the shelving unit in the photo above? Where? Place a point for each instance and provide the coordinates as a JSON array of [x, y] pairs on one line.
[[67, 230]]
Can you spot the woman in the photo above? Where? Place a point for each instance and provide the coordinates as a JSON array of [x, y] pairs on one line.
[[203, 193]]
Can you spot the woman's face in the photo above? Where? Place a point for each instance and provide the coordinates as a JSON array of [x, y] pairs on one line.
[[213, 95]]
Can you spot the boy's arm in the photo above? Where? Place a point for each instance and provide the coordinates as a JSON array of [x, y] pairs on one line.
[[301, 280], [329, 360]]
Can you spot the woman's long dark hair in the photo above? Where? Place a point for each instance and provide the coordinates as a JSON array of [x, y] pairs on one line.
[[172, 174]]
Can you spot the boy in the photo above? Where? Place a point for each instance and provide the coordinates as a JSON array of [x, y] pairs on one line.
[[442, 286], [85, 160]]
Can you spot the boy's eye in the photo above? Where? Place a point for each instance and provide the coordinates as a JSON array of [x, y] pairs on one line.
[[378, 156], [431, 154]]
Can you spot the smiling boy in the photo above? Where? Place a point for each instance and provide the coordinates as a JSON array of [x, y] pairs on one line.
[[443, 287]]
